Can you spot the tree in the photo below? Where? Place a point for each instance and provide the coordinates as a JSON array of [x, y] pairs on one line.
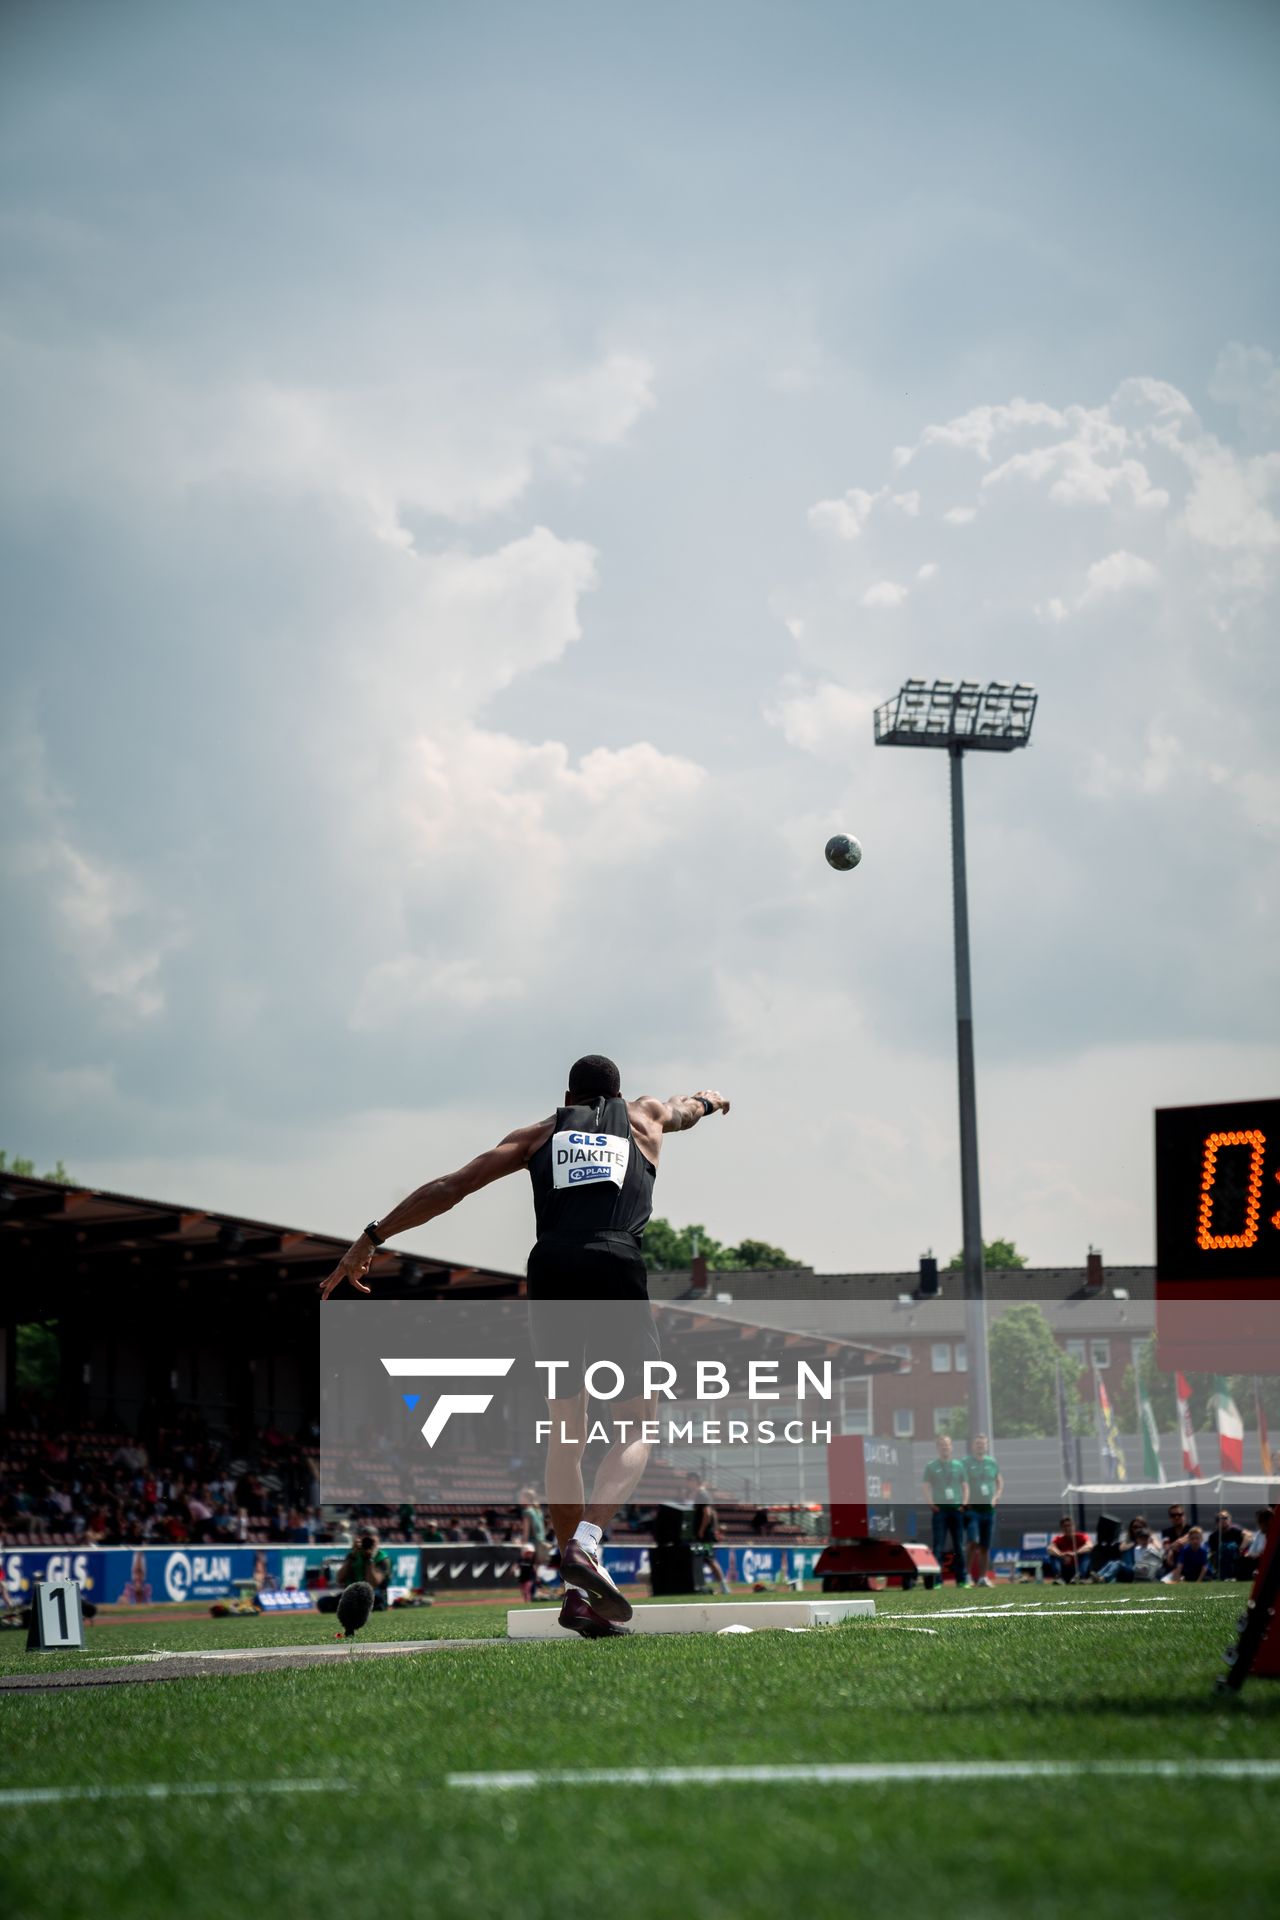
[[1024, 1358], [953, 1421], [38, 1357], [26, 1170], [667, 1249], [997, 1255], [756, 1253]]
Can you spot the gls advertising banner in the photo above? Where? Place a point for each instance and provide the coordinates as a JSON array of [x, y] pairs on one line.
[[142, 1576], [20, 1568]]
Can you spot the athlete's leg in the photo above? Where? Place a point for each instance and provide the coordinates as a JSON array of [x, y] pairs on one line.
[[581, 1560], [621, 1470], [565, 1445]]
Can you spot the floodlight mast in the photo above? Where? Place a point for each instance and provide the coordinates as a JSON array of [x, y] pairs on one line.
[[994, 719]]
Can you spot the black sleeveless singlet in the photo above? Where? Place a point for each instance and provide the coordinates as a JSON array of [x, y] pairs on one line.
[[591, 1183]]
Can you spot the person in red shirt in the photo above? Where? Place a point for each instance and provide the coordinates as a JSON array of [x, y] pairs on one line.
[[1068, 1557]]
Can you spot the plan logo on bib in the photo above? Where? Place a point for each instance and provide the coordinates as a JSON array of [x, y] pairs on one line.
[[578, 1159]]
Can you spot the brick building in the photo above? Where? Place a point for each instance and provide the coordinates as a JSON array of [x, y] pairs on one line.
[[1097, 1316]]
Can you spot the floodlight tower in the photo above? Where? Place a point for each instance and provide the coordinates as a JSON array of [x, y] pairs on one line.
[[992, 719]]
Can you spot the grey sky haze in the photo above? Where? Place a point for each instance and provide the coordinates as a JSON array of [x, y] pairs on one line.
[[471, 473]]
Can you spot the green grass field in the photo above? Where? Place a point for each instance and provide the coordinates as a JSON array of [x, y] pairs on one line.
[[1084, 1679]]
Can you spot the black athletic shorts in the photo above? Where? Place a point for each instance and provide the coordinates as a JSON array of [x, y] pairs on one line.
[[589, 1301]]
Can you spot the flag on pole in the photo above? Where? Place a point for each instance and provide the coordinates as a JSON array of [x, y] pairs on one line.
[[1186, 1432], [1230, 1428], [1108, 1433], [1264, 1444], [1064, 1430], [1152, 1465]]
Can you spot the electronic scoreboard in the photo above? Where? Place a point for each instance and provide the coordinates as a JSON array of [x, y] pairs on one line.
[[1218, 1237]]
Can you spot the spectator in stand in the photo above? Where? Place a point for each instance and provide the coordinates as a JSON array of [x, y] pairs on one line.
[[1190, 1559], [947, 1492], [762, 1523], [1068, 1556], [1256, 1545], [1225, 1542], [1141, 1559], [1175, 1533], [200, 1515], [986, 1486]]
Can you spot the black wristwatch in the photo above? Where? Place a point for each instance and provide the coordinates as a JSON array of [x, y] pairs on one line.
[[707, 1106], [371, 1233]]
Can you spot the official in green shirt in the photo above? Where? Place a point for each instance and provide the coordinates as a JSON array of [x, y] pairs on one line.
[[986, 1485], [947, 1491]]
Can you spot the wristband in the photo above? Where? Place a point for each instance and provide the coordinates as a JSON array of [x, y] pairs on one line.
[[371, 1233], [706, 1105]]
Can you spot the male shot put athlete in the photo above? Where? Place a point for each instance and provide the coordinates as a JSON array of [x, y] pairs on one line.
[[593, 1165]]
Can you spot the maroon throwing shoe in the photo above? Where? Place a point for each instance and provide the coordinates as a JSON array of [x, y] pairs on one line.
[[580, 1617], [578, 1568]]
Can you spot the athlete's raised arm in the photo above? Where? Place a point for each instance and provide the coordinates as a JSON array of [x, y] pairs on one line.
[[428, 1202], [651, 1117], [685, 1110]]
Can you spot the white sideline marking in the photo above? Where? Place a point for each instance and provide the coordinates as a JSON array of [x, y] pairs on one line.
[[1034, 1613], [853, 1772], [162, 1790], [861, 1773]]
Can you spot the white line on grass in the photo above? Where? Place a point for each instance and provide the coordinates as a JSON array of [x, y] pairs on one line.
[[837, 1773], [1030, 1613], [878, 1773], [163, 1790]]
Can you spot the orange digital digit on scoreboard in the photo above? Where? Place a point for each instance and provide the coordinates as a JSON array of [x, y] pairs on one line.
[[1218, 1237]]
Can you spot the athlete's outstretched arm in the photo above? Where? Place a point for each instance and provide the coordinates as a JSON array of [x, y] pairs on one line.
[[685, 1110], [436, 1197]]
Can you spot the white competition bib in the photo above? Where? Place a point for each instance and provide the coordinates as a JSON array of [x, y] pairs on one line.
[[582, 1159]]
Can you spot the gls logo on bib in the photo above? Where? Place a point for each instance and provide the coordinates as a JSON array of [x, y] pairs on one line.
[[579, 1158]]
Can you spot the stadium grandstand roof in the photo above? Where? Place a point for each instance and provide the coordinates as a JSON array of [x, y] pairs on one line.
[[59, 1240]]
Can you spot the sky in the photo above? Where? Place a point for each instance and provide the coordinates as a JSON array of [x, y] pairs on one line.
[[471, 473]]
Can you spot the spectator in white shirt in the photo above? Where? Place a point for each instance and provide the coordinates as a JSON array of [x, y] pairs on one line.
[[1256, 1545]]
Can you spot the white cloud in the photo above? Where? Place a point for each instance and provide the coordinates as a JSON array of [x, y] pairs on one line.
[[960, 516], [847, 516], [1226, 507], [1079, 477], [978, 430], [927, 570], [825, 719], [1117, 573], [1125, 561], [909, 503], [102, 916], [428, 441], [885, 593]]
